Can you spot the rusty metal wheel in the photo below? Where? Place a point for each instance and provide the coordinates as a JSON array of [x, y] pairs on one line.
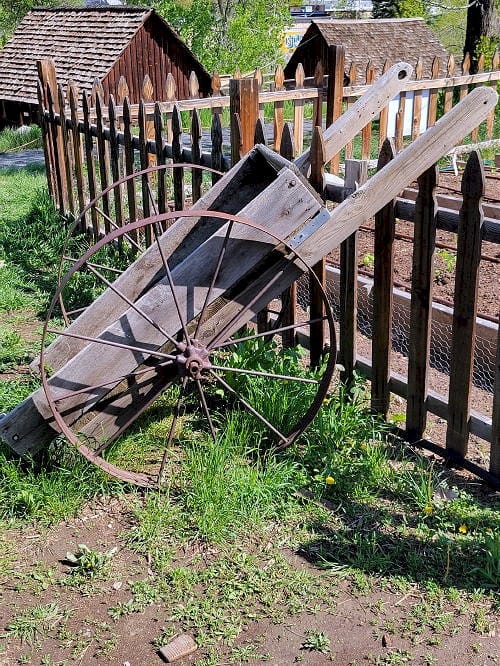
[[178, 344]]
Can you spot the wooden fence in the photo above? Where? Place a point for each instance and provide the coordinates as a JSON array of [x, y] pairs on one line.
[[88, 146]]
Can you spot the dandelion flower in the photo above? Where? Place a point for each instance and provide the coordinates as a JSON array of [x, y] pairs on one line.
[[329, 480], [428, 509], [463, 529]]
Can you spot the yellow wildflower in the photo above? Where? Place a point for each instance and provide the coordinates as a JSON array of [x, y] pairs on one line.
[[329, 480], [428, 509], [463, 529]]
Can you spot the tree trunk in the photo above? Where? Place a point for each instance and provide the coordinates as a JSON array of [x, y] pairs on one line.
[[479, 23]]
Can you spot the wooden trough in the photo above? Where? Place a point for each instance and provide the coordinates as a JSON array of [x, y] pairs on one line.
[[165, 320]]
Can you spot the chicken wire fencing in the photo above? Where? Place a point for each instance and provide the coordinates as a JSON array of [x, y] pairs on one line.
[[441, 334]]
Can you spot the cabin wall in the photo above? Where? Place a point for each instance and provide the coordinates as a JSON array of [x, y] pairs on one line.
[[155, 52], [15, 114]]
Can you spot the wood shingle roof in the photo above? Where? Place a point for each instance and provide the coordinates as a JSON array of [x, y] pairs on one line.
[[378, 40], [84, 43]]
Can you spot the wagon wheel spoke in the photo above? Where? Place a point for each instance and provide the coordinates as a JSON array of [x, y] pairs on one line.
[[247, 405], [73, 260], [266, 334], [171, 283], [175, 416], [205, 407], [116, 226], [111, 382], [269, 375], [133, 305], [222, 252], [112, 343], [231, 324]]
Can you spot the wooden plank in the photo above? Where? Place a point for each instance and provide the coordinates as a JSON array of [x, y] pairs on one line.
[[448, 93], [104, 157], [353, 73], [490, 120], [129, 162], [355, 118], [417, 102], [480, 68], [146, 190], [77, 153], [319, 77], [244, 111], [464, 89], [67, 151], [196, 174], [298, 112], [147, 96], [46, 142], [289, 296], [356, 173], [383, 268], [433, 94], [424, 239], [336, 59], [495, 425], [178, 172], [160, 159], [278, 117], [171, 97], [384, 115], [216, 152], [316, 306], [59, 180], [366, 132], [465, 305], [400, 121], [89, 161], [114, 159]]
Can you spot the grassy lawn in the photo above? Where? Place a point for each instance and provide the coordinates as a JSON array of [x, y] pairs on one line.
[[346, 548]]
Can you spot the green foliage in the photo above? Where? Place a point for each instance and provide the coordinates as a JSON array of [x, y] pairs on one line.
[[12, 139], [227, 35], [89, 564]]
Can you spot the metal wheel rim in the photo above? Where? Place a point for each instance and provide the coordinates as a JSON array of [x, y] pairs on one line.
[[146, 480]]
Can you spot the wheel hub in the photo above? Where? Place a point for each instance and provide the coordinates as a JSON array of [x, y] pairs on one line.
[[193, 360]]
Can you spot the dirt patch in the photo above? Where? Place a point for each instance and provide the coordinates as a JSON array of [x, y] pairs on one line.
[[354, 621]]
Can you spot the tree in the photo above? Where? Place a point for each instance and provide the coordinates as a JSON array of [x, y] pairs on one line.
[[12, 11], [480, 24], [229, 34]]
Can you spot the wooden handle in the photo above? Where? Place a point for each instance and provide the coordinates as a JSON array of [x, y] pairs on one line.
[[387, 183], [345, 128]]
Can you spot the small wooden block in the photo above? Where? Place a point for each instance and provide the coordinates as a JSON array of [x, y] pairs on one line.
[[180, 647]]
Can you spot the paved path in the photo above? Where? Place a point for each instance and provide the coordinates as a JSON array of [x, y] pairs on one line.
[[22, 159]]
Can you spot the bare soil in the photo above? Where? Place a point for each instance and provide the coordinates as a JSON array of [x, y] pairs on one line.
[[363, 626]]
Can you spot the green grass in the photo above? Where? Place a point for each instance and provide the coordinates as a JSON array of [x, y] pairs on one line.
[[12, 140], [366, 512]]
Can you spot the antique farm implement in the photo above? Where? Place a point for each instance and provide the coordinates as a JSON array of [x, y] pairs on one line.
[[167, 324]]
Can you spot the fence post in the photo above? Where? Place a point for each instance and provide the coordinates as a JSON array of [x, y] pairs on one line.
[[465, 305], [383, 277], [48, 77], [289, 296], [317, 310], [356, 173], [424, 238], [335, 92], [244, 111]]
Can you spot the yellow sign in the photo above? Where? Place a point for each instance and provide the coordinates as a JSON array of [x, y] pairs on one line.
[[291, 39]]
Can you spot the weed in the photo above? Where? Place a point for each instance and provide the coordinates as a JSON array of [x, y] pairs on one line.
[[34, 622], [89, 564], [448, 259], [316, 641], [368, 260]]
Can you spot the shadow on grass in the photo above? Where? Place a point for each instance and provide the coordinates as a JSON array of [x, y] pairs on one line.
[[387, 541]]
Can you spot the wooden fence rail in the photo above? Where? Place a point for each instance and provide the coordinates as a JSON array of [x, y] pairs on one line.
[[89, 145]]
